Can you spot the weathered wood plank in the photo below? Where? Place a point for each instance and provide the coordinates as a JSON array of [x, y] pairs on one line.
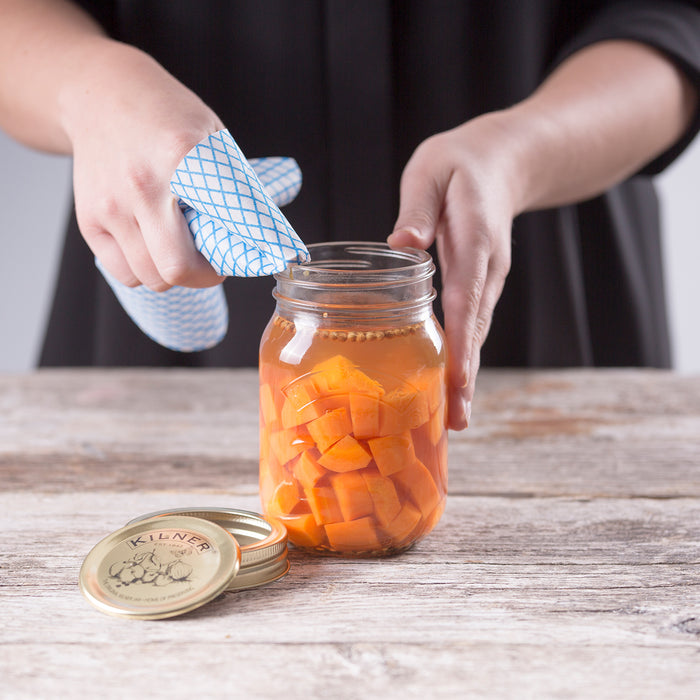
[[567, 564], [557, 433], [347, 671], [494, 569]]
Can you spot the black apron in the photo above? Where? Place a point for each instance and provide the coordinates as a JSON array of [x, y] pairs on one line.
[[349, 89]]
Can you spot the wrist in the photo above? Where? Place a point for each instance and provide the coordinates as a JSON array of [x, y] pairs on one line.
[[530, 141], [511, 145], [95, 65]]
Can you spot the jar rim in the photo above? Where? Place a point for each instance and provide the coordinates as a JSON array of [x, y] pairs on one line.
[[358, 263]]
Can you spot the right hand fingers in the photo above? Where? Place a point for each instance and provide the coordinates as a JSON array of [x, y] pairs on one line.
[[125, 152], [153, 247]]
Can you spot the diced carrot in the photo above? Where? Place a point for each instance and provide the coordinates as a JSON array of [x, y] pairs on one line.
[[268, 410], [417, 481], [266, 373], [352, 494], [436, 427], [303, 530], [383, 493], [334, 402], [353, 536], [345, 455], [334, 372], [267, 485], [431, 381], [291, 416], [327, 429], [403, 524], [287, 444], [411, 405], [301, 391], [360, 383], [284, 499], [269, 463], [391, 422], [323, 505], [364, 413], [307, 471], [264, 447], [432, 520], [340, 374], [434, 456], [392, 453]]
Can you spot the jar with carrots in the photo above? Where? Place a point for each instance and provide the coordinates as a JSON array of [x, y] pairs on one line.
[[353, 444]]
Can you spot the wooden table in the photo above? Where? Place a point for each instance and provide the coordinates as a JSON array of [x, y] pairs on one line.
[[567, 564]]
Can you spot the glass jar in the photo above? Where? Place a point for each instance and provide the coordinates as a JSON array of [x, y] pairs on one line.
[[353, 444]]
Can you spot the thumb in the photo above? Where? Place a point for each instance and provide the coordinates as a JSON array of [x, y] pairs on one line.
[[419, 209]]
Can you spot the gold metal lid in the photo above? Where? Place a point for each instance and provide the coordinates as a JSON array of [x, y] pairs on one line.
[[160, 568], [263, 542]]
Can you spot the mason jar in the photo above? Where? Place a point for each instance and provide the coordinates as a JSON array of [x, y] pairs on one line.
[[353, 443]]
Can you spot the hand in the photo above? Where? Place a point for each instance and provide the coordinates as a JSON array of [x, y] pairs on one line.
[[458, 189], [130, 123]]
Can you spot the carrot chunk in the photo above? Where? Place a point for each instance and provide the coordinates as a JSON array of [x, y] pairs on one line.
[[403, 524], [340, 375], [264, 442], [391, 422], [431, 381], [268, 410], [432, 520], [352, 494], [284, 499], [327, 429], [383, 494], [392, 453], [323, 505], [287, 444], [417, 481], [267, 485], [364, 413], [307, 471], [303, 530], [301, 391], [345, 455], [292, 416], [354, 535], [436, 427], [411, 405]]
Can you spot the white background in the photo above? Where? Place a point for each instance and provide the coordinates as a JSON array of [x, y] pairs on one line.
[[35, 191]]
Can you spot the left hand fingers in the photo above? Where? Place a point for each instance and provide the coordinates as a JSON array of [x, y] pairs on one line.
[[474, 252]]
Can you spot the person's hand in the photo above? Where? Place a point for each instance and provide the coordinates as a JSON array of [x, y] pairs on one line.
[[130, 123], [459, 190]]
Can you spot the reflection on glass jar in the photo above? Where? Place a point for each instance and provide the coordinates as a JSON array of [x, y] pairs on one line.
[[353, 444]]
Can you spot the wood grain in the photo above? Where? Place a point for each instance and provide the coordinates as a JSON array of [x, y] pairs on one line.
[[567, 564]]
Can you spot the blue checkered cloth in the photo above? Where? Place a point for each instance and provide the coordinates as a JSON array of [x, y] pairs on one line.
[[232, 208]]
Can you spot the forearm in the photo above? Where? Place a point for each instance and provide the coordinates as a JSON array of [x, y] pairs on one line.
[[44, 45], [603, 114]]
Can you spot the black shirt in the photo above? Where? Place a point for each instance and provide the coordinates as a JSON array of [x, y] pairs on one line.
[[349, 89]]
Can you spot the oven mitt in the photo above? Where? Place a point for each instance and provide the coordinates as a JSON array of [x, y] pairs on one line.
[[232, 209]]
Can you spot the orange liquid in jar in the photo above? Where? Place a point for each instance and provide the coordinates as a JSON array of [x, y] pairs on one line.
[[353, 445]]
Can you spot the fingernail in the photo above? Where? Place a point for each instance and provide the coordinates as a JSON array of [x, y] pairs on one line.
[[409, 230], [467, 411], [465, 377]]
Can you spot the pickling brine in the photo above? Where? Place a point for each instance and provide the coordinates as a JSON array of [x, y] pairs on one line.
[[353, 445]]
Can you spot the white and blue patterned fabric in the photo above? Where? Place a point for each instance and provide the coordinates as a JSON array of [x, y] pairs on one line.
[[236, 224], [232, 208]]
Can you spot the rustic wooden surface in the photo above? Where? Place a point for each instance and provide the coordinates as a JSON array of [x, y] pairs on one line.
[[567, 564]]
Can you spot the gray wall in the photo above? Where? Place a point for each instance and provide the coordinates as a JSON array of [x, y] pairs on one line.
[[35, 189]]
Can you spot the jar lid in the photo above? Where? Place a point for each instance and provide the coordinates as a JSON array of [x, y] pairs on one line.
[[160, 568], [263, 542]]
